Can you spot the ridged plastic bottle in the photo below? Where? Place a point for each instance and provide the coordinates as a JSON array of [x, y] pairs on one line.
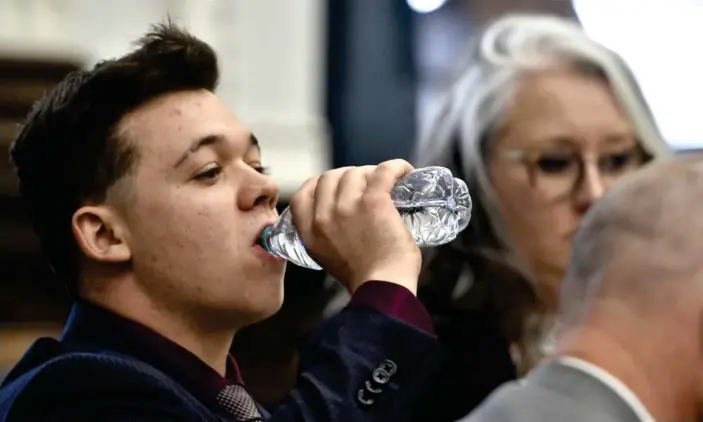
[[435, 206]]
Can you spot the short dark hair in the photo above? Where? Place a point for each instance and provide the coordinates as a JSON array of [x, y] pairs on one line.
[[68, 151]]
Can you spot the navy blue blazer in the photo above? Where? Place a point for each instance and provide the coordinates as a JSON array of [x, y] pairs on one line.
[[362, 365]]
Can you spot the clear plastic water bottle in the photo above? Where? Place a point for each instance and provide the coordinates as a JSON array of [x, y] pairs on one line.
[[434, 204]]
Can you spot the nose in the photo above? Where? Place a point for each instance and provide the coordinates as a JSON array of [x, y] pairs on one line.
[[261, 191], [591, 189]]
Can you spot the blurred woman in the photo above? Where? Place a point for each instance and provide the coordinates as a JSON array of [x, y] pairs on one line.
[[540, 124]]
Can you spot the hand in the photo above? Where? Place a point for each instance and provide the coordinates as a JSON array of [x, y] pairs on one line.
[[349, 225]]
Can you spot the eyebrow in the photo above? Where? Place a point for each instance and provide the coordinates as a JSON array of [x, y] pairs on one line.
[[210, 140], [622, 138], [562, 141]]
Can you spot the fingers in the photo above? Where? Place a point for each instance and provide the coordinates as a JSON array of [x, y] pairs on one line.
[[326, 194], [317, 202], [386, 175], [352, 185], [302, 205]]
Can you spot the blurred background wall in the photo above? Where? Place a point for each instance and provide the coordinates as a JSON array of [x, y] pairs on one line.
[[322, 83]]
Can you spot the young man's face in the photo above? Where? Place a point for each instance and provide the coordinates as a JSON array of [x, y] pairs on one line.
[[199, 203]]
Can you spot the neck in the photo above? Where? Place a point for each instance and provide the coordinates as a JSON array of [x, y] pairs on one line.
[[657, 380], [549, 284], [209, 342]]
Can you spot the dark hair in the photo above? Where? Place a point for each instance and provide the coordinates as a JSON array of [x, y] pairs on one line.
[[499, 290], [68, 151]]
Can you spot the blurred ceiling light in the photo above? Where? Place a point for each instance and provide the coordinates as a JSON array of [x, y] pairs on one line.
[[425, 6]]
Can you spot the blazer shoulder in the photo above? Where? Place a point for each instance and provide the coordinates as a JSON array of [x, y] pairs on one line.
[[524, 401], [82, 370], [78, 381], [514, 402]]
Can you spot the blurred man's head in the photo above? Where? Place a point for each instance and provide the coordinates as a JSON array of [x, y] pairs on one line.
[[632, 299], [641, 246], [144, 187]]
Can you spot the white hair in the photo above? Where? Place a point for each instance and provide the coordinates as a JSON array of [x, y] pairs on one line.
[[509, 47]]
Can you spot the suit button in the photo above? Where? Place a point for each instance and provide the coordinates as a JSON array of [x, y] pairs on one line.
[[381, 376], [361, 396], [371, 389], [389, 366]]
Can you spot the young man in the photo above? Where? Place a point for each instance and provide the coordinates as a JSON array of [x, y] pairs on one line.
[[149, 196]]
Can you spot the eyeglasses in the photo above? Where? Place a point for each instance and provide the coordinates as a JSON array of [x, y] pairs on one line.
[[561, 172]]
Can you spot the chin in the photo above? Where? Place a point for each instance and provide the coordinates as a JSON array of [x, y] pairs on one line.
[[259, 313], [247, 303], [236, 315], [270, 304], [259, 307]]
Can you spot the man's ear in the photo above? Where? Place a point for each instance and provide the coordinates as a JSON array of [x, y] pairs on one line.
[[101, 234]]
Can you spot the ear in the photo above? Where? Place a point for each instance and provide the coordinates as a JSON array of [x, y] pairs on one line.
[[101, 234]]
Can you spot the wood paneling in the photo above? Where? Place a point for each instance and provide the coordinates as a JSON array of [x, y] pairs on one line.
[[28, 291], [15, 339]]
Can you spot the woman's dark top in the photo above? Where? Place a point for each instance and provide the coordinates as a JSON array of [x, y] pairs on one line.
[[476, 361]]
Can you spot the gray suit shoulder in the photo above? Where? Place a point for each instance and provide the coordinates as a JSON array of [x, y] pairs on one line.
[[525, 401], [507, 404]]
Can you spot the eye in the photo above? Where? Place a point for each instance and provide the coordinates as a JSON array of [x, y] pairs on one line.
[[261, 170], [211, 173], [555, 163], [619, 161]]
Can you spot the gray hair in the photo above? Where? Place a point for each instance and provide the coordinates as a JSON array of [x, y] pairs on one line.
[[509, 47]]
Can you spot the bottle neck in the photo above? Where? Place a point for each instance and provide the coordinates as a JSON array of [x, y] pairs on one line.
[[264, 238]]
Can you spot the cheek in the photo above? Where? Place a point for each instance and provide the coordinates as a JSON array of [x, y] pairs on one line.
[[535, 221], [183, 227]]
